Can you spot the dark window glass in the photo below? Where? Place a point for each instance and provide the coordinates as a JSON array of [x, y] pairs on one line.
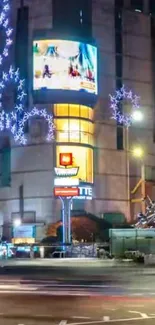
[[137, 4], [118, 66], [73, 17], [152, 6], [119, 3], [118, 20], [118, 43], [119, 137]]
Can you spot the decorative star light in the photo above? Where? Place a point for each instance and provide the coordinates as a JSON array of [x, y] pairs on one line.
[[13, 76], [4, 23], [19, 133], [121, 94], [15, 120]]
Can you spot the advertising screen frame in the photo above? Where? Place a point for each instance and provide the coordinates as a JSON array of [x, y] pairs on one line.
[[50, 96]]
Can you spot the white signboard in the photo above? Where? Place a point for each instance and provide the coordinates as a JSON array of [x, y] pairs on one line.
[[66, 181], [66, 172]]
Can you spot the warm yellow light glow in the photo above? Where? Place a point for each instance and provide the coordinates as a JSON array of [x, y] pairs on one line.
[[71, 127], [82, 158], [73, 110], [138, 152], [74, 130]]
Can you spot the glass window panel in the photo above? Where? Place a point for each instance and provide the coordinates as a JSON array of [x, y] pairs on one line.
[[91, 139], [91, 128], [85, 137], [91, 114], [62, 124], [74, 110], [84, 111], [85, 126], [74, 130], [61, 110], [89, 165], [62, 136]]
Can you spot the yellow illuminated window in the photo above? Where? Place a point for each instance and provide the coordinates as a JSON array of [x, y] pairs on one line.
[[74, 110], [84, 132], [91, 128], [74, 130], [84, 111], [61, 110], [82, 158]]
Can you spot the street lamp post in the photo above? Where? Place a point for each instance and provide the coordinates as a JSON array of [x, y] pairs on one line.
[[137, 117]]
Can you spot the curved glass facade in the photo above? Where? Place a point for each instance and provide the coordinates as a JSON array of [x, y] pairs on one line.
[[73, 110], [74, 126], [74, 130], [82, 158]]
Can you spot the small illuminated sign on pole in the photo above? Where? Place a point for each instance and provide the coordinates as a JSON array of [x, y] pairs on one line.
[[66, 181], [66, 191]]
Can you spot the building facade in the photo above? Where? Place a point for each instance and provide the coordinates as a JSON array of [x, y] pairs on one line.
[[124, 34]]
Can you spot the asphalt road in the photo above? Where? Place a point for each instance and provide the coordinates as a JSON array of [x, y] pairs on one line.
[[32, 310], [92, 294]]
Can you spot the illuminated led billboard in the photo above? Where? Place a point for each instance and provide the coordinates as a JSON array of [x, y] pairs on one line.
[[64, 65]]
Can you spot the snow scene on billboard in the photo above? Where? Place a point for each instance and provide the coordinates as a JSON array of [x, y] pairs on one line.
[[66, 65]]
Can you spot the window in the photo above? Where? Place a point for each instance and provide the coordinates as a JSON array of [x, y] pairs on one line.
[[82, 158], [74, 130], [77, 19], [137, 5], [119, 3], [73, 111], [119, 66], [119, 137], [152, 6], [118, 43], [61, 110]]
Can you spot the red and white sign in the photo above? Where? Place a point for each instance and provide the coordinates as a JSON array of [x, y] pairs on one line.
[[66, 159], [66, 191]]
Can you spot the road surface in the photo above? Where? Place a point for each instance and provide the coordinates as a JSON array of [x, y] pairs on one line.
[[31, 310], [88, 295]]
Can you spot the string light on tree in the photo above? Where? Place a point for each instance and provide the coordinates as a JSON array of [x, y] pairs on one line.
[[115, 100]]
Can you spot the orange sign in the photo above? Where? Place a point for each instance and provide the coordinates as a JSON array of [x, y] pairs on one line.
[[66, 159], [66, 191]]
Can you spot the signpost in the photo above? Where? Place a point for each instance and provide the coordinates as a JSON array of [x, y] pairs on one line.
[[67, 188]]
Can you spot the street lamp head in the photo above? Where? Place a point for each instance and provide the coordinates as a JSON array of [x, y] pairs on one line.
[[137, 116], [138, 152], [17, 223]]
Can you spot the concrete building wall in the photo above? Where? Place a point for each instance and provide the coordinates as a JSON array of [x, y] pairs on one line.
[[32, 165]]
